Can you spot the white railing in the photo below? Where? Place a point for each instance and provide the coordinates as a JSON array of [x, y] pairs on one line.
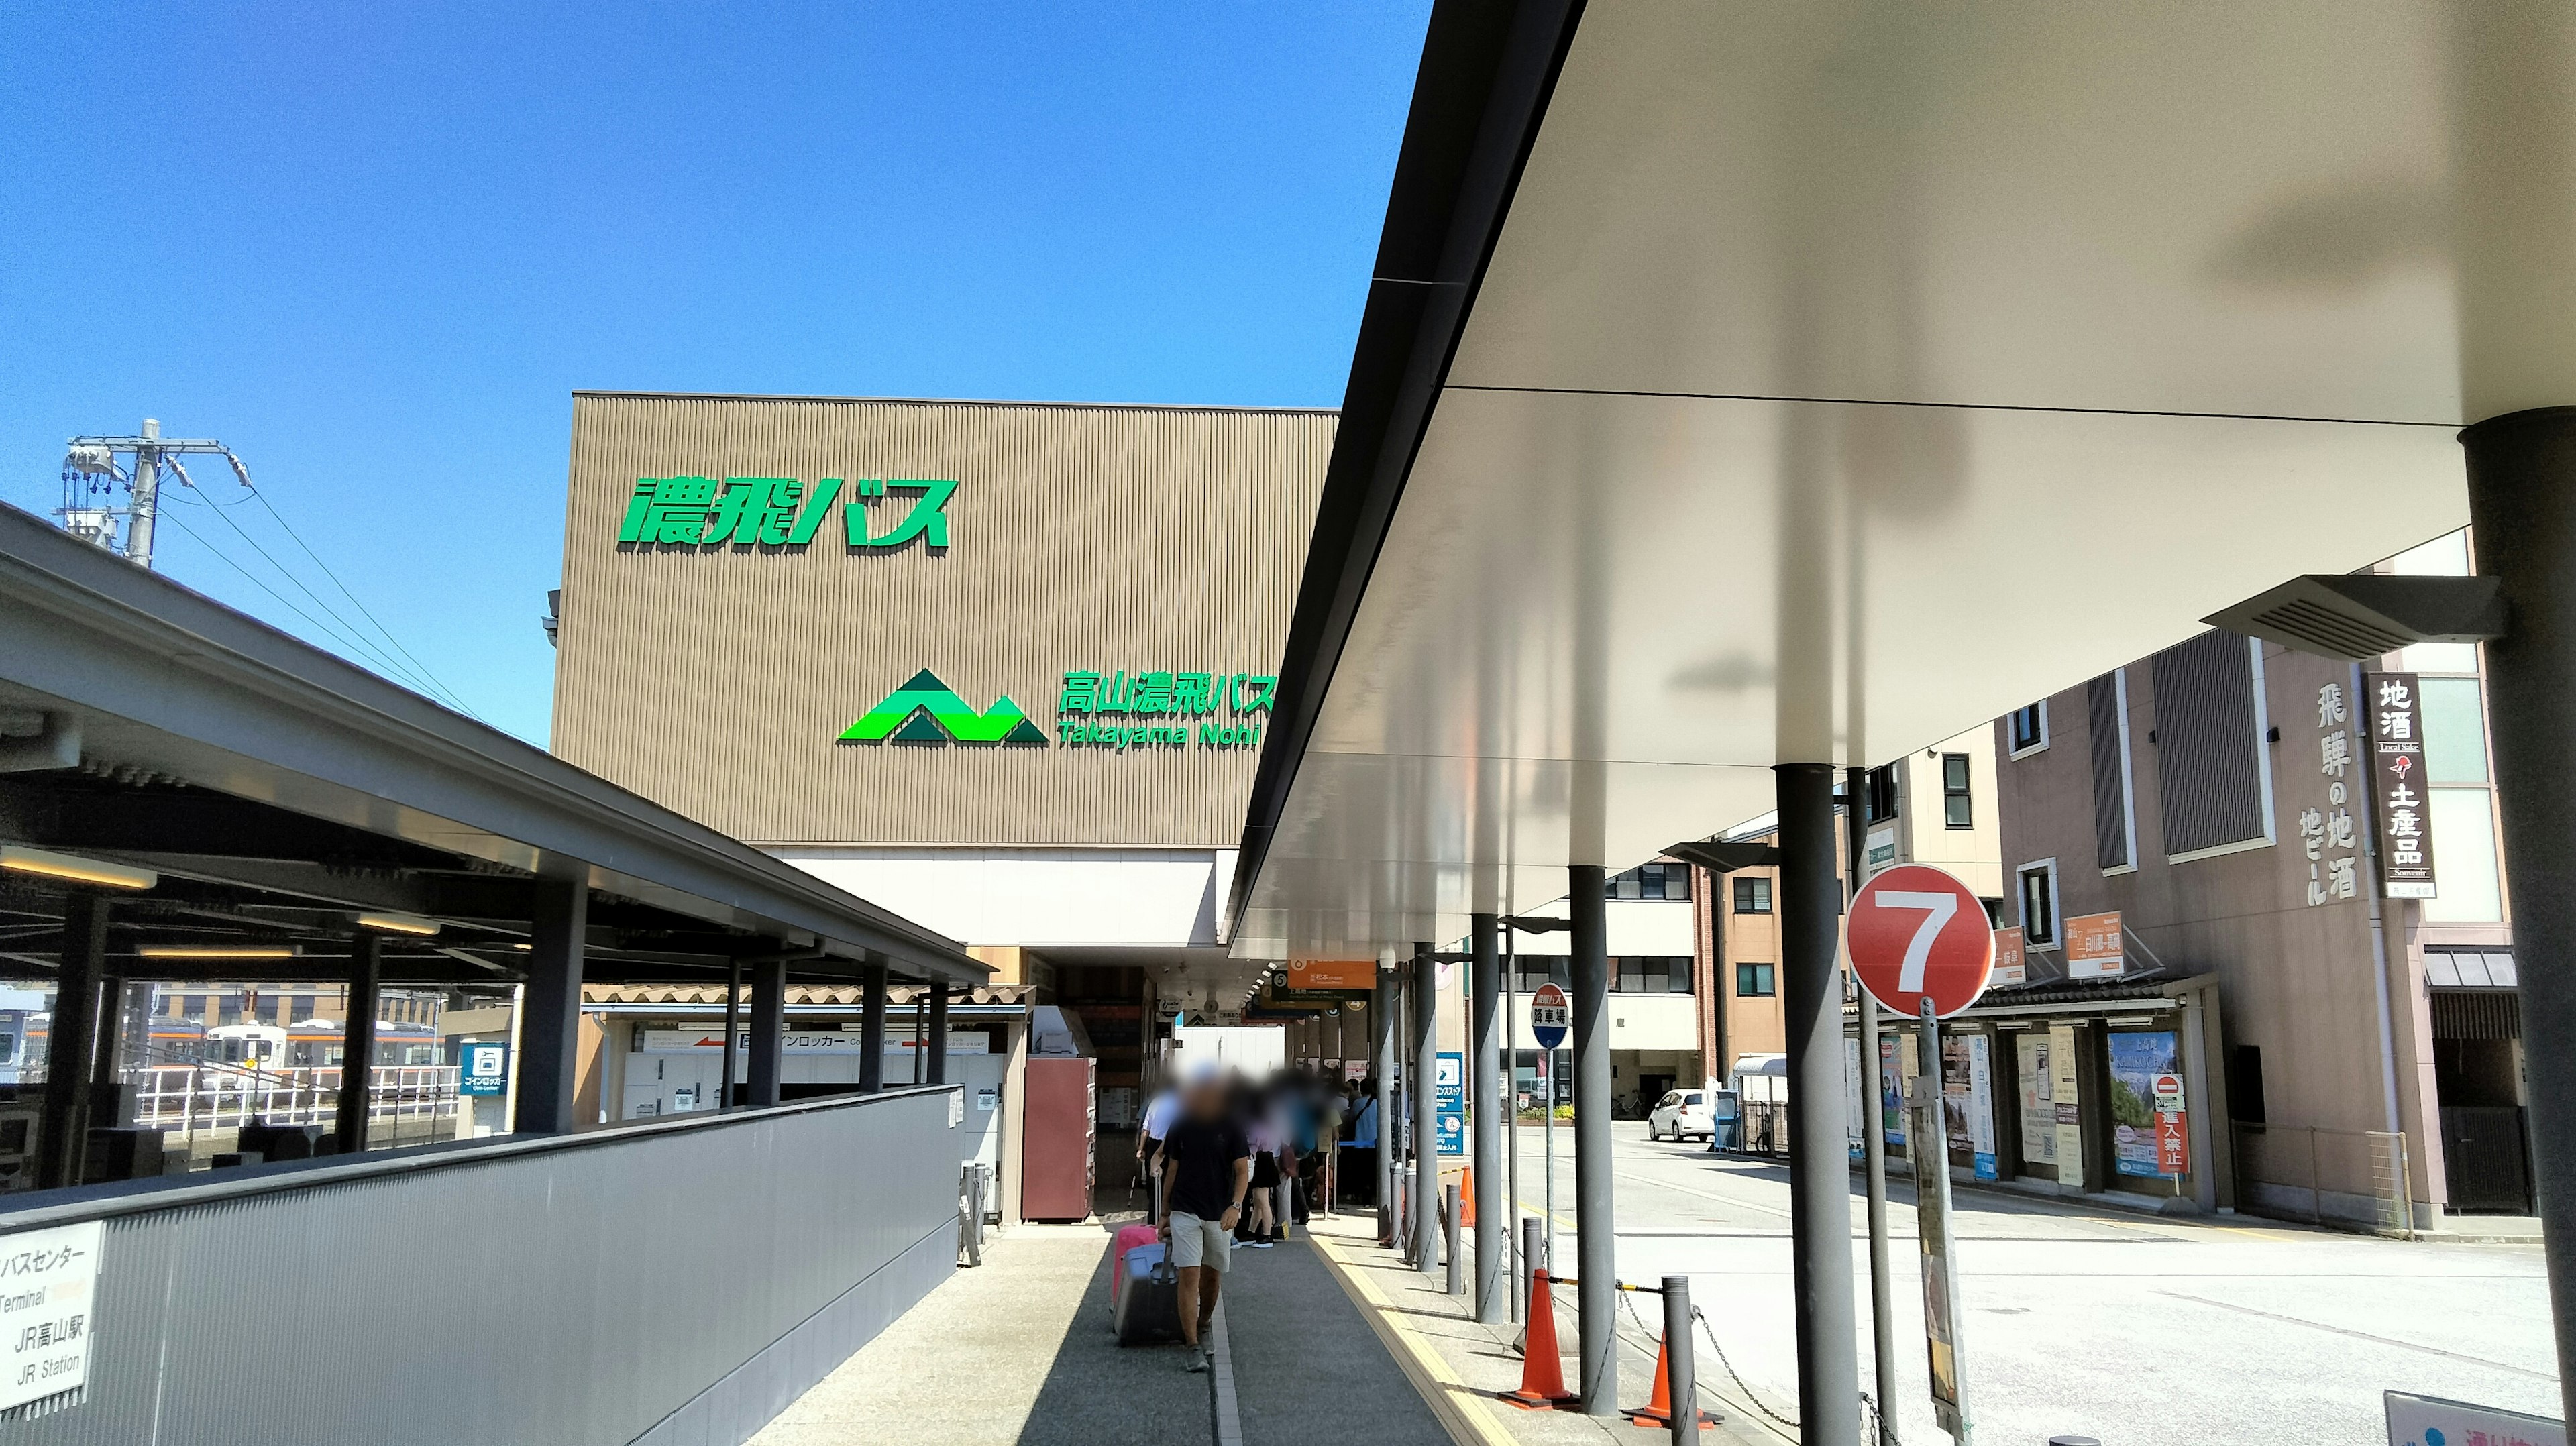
[[189, 1098]]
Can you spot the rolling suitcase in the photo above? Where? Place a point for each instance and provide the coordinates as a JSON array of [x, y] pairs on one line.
[[1149, 1297], [1128, 1239]]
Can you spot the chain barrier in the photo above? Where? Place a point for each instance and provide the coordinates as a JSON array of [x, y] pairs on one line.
[[1709, 1333], [1646, 1340]]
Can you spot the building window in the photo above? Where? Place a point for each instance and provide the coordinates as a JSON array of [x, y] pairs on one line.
[[1753, 981], [1957, 811], [1658, 975], [2029, 729], [2039, 904], [1650, 881], [1882, 793], [2464, 857], [2455, 730], [1753, 896], [2115, 821], [2213, 758]]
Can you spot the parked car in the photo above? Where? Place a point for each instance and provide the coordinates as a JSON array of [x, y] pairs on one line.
[[1680, 1115]]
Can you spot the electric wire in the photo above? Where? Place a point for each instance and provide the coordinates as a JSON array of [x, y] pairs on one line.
[[262, 584], [362, 608], [415, 676]]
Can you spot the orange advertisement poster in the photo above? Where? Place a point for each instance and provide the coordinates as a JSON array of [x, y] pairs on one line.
[[2093, 946], [1332, 974], [2008, 965]]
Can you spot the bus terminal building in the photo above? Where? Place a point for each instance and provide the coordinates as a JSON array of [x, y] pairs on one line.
[[1003, 668]]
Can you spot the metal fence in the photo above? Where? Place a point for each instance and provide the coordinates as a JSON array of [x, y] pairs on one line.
[[186, 1098], [2325, 1177], [676, 1280], [1763, 1128]]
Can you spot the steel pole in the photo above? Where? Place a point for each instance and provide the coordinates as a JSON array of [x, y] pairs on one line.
[[1596, 1261], [2522, 501], [1486, 1105], [147, 497], [1680, 1377], [1873, 1145], [1382, 1024], [1819, 1143], [1512, 1121], [1423, 1079]]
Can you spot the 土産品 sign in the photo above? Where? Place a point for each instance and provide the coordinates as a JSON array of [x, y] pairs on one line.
[[1117, 710], [778, 512]]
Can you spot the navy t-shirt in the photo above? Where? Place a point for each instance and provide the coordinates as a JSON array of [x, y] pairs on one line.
[[1198, 1165]]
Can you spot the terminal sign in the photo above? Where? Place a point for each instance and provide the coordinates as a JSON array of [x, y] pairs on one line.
[[1918, 934], [1549, 1016]]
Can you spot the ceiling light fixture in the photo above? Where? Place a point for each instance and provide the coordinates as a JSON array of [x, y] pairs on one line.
[[398, 923], [218, 951], [18, 858]]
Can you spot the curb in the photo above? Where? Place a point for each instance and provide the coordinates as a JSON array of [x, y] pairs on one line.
[[1442, 1389]]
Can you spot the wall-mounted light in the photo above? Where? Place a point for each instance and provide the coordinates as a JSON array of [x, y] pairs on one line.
[[219, 951], [18, 858], [398, 923]]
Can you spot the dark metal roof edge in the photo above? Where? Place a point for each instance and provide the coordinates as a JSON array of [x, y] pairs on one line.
[[54, 572], [1488, 72], [622, 394]]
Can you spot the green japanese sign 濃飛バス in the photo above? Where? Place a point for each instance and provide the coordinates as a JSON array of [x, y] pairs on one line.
[[1093, 710], [690, 511]]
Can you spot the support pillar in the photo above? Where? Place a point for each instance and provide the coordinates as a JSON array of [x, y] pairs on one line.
[[1596, 1263], [73, 1039], [935, 1041], [358, 1042], [1486, 1104], [1873, 1135], [1810, 901], [550, 1031], [733, 1031], [872, 1008], [1382, 1012], [2522, 500], [768, 1031], [1420, 1077]]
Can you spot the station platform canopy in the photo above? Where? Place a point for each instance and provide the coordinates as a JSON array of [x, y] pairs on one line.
[[1743, 385], [252, 801]]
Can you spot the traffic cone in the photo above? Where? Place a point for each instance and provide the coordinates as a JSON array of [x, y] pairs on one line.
[[1658, 1412], [1467, 1198], [1542, 1373]]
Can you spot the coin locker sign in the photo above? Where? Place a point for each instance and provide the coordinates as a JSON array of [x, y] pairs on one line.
[[48, 1287]]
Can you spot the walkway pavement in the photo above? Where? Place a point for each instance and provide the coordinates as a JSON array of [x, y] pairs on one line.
[[1019, 1352]]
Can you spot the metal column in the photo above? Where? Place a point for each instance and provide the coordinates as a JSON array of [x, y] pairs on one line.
[[1485, 1103], [358, 1042], [768, 1030], [1810, 898], [1596, 1263], [62, 1147], [935, 1039], [872, 1007], [733, 1031], [550, 1034], [1421, 1076], [2522, 500], [1382, 1011], [1873, 1135]]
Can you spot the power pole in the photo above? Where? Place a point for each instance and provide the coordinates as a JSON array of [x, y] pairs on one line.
[[91, 464]]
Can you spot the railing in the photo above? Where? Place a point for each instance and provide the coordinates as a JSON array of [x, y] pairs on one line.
[[2325, 1177], [188, 1098]]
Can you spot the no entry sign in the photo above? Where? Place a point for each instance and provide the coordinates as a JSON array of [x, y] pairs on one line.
[[1918, 933], [1549, 1017]]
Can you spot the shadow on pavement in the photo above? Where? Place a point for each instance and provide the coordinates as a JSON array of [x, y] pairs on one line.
[[1096, 1391]]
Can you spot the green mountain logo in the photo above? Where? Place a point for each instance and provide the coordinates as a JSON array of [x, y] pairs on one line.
[[926, 710]]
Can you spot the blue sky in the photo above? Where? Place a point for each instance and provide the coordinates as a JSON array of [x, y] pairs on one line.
[[375, 248]]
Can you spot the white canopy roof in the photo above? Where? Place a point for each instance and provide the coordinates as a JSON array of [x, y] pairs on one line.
[[1833, 378]]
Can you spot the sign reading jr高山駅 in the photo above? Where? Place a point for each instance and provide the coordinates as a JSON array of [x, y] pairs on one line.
[[1117, 710], [781, 512]]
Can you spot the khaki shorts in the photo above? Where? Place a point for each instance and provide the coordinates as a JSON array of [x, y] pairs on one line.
[[1202, 1243]]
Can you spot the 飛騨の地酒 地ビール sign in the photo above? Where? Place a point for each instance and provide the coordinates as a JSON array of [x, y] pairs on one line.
[[744, 512]]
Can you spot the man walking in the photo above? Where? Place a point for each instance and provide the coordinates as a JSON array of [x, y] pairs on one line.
[[1207, 1168]]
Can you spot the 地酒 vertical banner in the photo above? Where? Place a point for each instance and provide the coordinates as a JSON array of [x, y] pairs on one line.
[[2397, 782]]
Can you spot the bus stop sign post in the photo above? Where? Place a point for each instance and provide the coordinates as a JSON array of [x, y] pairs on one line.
[[1921, 945], [1550, 1017]]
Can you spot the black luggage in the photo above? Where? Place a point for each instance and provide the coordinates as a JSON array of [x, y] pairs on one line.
[[1149, 1298]]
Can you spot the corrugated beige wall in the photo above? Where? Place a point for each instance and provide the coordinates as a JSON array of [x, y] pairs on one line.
[[716, 681]]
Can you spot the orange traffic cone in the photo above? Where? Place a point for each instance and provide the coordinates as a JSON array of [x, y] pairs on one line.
[[1467, 1198], [1658, 1412], [1542, 1373]]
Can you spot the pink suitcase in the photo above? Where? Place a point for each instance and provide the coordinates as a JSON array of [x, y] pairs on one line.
[[1128, 1238]]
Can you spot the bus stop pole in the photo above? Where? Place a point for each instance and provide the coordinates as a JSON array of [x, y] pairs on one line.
[[1873, 1137], [1820, 1260]]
